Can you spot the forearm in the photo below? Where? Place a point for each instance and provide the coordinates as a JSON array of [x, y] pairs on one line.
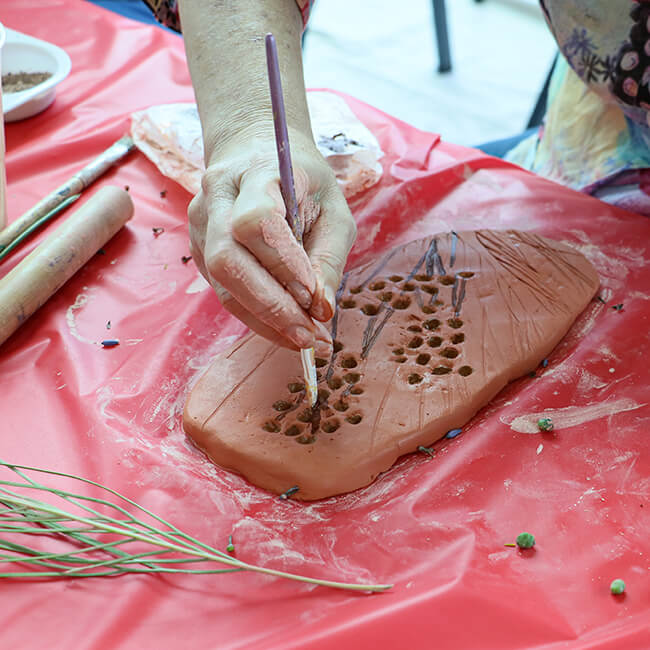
[[225, 49]]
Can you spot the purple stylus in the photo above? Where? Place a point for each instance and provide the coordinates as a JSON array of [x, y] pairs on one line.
[[282, 138], [288, 189]]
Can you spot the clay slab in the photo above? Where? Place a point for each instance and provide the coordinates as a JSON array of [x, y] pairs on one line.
[[424, 337]]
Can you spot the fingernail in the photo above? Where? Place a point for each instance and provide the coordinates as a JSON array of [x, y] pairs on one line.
[[319, 310], [300, 293], [322, 334], [330, 296], [301, 336]]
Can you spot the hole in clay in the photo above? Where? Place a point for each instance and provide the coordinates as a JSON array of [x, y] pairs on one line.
[[408, 286], [435, 341], [354, 418], [414, 328], [458, 338], [455, 323], [423, 277], [330, 426], [414, 378], [320, 362], [370, 310], [423, 359], [356, 290], [447, 280], [427, 309], [396, 278], [281, 405], [441, 370], [430, 288], [323, 394], [337, 346], [341, 406], [465, 371], [271, 427], [352, 377], [402, 303], [399, 351], [466, 274], [304, 416], [296, 387], [432, 324], [348, 304], [415, 342], [306, 440], [386, 296], [293, 430], [449, 353], [356, 390], [349, 362], [401, 359], [335, 383], [377, 286]]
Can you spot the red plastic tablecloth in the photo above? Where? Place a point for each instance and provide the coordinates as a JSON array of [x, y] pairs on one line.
[[435, 528]]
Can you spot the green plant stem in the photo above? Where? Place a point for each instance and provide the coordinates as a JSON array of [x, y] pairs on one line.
[[132, 529]]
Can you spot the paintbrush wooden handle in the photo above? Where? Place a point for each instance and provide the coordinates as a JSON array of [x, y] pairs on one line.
[[49, 266]]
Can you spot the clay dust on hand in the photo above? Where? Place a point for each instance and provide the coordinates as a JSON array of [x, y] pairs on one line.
[[423, 338]]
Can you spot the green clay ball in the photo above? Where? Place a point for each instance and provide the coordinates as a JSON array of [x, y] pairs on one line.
[[617, 587], [545, 424], [525, 540]]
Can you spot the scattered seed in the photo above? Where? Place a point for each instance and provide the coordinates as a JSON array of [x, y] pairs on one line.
[[618, 307], [163, 194], [525, 540], [108, 325], [231, 547], [157, 231], [292, 490], [426, 450], [453, 433], [545, 424], [110, 343], [617, 587], [186, 258]]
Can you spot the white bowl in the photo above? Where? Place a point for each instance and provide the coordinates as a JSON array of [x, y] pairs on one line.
[[23, 53]]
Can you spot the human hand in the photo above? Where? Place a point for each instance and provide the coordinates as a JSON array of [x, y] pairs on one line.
[[244, 247]]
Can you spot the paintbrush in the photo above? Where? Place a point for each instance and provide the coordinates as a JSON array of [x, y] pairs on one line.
[[288, 189], [51, 204]]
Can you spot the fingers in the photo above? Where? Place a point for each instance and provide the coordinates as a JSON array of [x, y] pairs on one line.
[[230, 265], [259, 224], [328, 245]]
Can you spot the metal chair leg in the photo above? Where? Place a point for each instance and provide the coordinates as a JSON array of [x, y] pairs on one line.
[[442, 35]]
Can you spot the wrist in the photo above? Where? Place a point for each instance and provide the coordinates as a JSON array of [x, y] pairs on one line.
[[257, 133]]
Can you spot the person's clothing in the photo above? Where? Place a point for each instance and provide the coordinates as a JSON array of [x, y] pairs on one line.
[[499, 148], [596, 134]]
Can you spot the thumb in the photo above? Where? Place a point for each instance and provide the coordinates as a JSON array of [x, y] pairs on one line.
[[328, 244]]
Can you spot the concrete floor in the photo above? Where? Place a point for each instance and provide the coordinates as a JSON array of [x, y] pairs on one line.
[[384, 53]]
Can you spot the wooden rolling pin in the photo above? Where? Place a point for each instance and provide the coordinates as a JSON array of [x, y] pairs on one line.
[[49, 266]]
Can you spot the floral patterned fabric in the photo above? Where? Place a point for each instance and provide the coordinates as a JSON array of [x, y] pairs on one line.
[[596, 135]]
